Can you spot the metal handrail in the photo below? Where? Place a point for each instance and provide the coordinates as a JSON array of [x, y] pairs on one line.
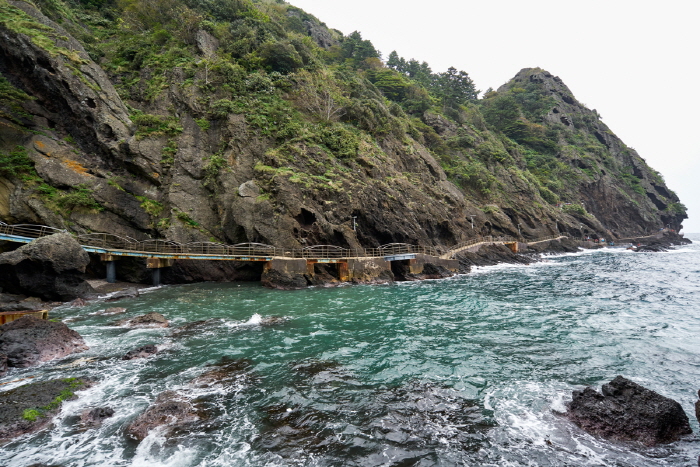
[[161, 246]]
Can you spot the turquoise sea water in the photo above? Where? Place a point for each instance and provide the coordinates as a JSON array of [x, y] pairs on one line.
[[470, 370]]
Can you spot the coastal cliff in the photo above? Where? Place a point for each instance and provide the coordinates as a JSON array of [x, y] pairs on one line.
[[241, 121]]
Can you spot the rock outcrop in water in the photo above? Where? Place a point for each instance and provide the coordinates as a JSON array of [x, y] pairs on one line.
[[28, 341], [93, 418], [170, 410], [50, 267], [149, 320], [31, 407], [142, 352], [626, 411]]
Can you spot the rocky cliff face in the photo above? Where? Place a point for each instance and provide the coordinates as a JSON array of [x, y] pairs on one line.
[[187, 137]]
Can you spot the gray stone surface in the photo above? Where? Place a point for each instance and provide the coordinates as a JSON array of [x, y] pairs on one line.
[[28, 341]]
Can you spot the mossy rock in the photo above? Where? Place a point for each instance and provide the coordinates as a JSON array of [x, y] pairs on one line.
[[31, 407]]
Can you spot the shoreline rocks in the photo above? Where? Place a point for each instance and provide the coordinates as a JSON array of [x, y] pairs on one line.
[[626, 411], [29, 341]]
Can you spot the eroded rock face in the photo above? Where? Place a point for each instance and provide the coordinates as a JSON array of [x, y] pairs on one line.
[[169, 409], [626, 411], [28, 341], [49, 267]]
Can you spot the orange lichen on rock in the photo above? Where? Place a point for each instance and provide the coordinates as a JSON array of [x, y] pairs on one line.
[[76, 167]]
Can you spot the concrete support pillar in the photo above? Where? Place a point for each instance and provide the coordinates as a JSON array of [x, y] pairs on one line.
[[156, 264], [110, 263], [343, 272], [111, 271], [155, 274], [513, 246]]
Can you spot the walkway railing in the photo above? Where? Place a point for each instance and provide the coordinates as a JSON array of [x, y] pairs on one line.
[[115, 243]]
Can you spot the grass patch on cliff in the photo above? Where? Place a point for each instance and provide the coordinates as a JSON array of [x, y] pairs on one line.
[[152, 207], [79, 197], [155, 125], [16, 162], [11, 100], [186, 219], [41, 35]]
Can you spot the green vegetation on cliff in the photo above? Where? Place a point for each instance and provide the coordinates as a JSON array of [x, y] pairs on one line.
[[252, 121]]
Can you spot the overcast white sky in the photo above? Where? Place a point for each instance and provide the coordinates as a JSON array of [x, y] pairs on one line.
[[636, 62]]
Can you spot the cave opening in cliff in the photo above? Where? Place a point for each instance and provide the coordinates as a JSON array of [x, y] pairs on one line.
[[400, 269]]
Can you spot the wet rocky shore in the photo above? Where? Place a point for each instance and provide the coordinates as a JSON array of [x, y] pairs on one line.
[[29, 341]]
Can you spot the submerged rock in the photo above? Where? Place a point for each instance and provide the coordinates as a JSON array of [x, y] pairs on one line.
[[31, 407], [49, 267], [626, 411], [194, 327], [95, 417], [113, 311], [149, 320], [131, 292], [141, 352], [227, 372], [169, 409], [28, 341]]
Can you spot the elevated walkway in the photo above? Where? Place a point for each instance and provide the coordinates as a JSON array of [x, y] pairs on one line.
[[161, 253]]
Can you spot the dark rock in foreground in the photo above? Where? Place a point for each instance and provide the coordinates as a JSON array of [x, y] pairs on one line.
[[49, 267], [626, 411], [31, 407], [169, 409], [141, 352], [28, 341]]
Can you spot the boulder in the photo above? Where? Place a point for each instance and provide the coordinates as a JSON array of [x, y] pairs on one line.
[[3, 364], [28, 341], [49, 267], [149, 320], [169, 409], [95, 417], [141, 352], [626, 411]]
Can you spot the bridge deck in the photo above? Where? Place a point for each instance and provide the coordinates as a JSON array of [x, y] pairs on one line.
[[112, 245]]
